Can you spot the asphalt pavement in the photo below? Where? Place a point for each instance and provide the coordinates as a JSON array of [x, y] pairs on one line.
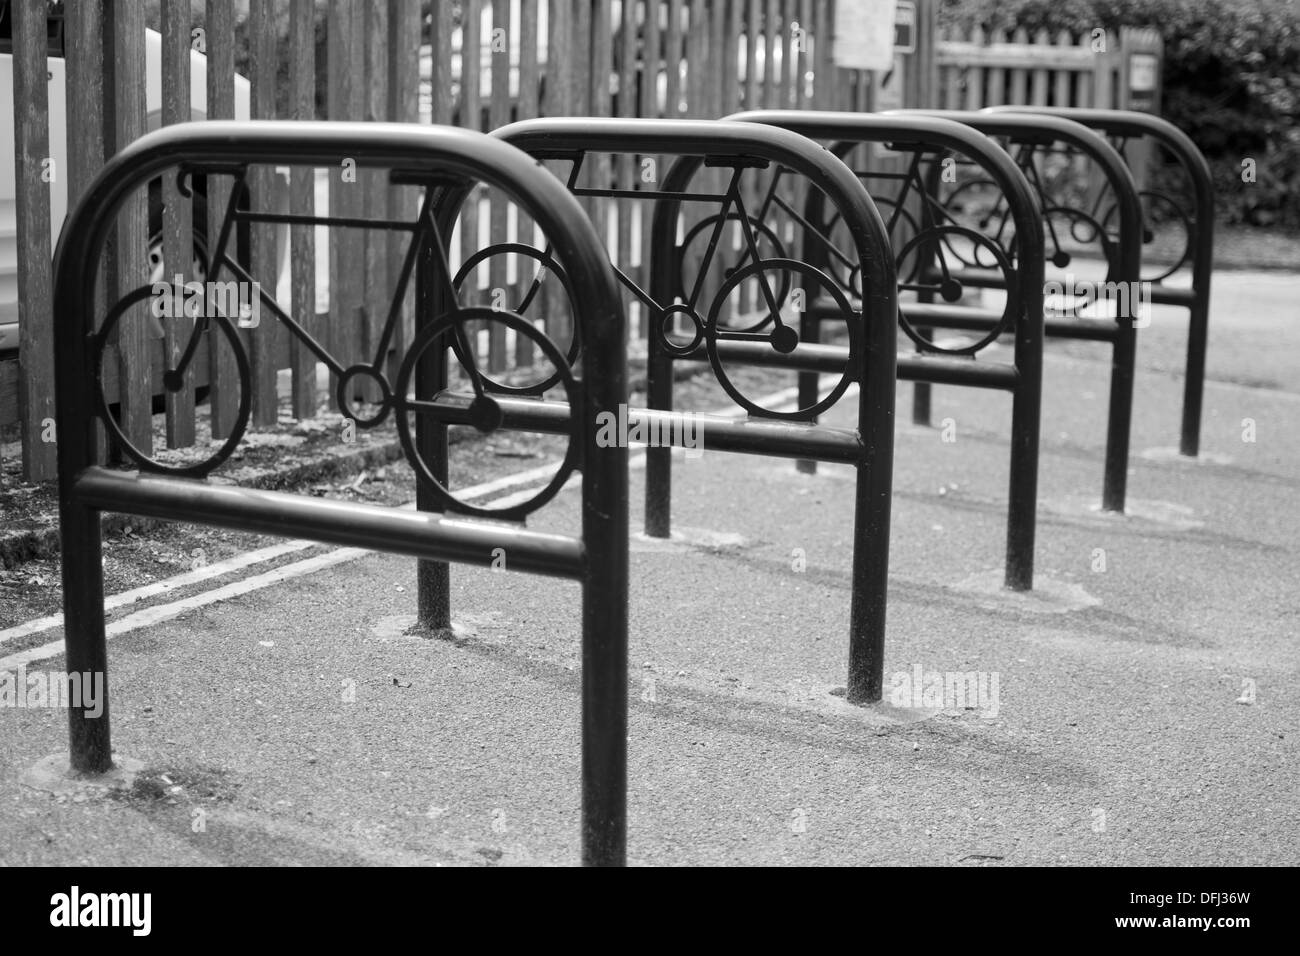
[[1139, 707]]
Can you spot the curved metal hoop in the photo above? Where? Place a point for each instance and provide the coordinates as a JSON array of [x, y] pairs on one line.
[[950, 288], [548, 265], [172, 382], [783, 338], [484, 412]]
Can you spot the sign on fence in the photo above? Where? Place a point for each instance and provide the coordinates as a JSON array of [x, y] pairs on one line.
[[864, 34]]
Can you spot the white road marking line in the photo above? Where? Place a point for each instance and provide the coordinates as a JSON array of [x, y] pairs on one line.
[[214, 570], [164, 612]]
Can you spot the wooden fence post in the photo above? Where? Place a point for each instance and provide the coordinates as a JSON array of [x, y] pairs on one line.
[[264, 267], [223, 373], [403, 107], [34, 174], [178, 222], [302, 202], [83, 50], [124, 35]]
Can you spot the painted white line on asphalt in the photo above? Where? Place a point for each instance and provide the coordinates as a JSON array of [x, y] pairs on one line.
[[214, 570], [240, 561], [164, 612]]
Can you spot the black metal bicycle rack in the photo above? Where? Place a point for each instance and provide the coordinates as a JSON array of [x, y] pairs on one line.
[[923, 251], [1028, 137], [438, 159], [1193, 208], [868, 362]]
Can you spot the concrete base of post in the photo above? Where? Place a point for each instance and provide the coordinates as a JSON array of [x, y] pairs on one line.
[[54, 774]]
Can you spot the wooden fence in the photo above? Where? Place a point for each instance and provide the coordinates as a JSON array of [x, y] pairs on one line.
[[1089, 70], [385, 61]]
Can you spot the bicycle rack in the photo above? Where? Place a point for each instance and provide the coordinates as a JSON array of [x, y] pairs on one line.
[[869, 362], [935, 240], [1027, 135], [1122, 126], [435, 157]]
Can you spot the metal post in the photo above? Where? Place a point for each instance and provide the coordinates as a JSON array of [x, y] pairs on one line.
[[433, 578]]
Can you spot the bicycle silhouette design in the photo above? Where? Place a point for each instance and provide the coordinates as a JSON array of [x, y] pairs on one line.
[[759, 270], [446, 332]]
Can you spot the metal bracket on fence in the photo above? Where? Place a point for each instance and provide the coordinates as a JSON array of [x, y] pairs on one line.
[[597, 558], [685, 323], [1027, 135], [1124, 126], [923, 252]]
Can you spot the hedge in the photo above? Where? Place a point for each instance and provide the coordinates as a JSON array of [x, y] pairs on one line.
[[1231, 81]]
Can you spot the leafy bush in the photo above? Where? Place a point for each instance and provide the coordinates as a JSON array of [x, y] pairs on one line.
[[1231, 81]]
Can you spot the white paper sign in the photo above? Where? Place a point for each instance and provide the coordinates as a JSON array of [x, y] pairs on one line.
[[864, 34]]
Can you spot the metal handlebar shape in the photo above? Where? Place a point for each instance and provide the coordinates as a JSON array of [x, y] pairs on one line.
[[1123, 126], [435, 158], [922, 256], [736, 150], [1027, 135]]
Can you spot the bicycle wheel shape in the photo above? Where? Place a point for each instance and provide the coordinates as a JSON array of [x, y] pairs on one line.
[[844, 267], [531, 305], [1159, 209], [949, 288], [784, 337], [483, 412], [978, 204], [731, 253], [134, 315]]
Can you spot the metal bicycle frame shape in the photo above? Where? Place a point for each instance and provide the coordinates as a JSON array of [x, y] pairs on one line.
[[597, 558], [872, 365], [1023, 377], [1123, 269], [1130, 124]]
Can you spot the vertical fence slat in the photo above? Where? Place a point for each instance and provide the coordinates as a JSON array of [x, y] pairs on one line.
[[602, 63], [673, 60], [223, 374], [340, 340], [997, 75], [499, 46], [302, 202], [627, 106], [823, 70], [34, 177], [263, 339], [1061, 90], [526, 108], [85, 99], [403, 107], [134, 347], [803, 62], [375, 243], [178, 222], [562, 93], [1019, 76], [1038, 85], [649, 108], [470, 117], [973, 95]]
